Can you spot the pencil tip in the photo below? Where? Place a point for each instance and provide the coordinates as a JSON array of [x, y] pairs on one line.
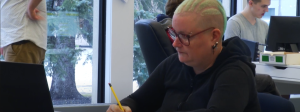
[[109, 84]]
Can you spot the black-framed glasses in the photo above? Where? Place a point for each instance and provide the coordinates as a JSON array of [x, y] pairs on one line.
[[183, 38]]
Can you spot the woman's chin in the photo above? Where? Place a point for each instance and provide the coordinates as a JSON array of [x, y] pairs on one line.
[[182, 59], [185, 61]]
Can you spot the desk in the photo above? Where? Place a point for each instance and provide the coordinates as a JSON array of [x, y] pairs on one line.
[[287, 78]]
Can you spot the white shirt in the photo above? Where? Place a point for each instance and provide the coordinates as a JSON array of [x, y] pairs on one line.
[[16, 26]]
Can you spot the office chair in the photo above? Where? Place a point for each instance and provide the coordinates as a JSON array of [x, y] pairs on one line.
[[272, 103], [253, 46], [154, 43]]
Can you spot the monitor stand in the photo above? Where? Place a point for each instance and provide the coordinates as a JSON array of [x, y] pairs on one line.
[[294, 47], [288, 47]]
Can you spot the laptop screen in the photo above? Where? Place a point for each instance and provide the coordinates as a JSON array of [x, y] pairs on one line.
[[24, 88]]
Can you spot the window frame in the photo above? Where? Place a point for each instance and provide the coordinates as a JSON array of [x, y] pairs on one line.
[[233, 7], [298, 8], [98, 64], [101, 52], [119, 49]]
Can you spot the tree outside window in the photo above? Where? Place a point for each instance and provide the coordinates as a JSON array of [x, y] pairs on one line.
[[70, 38]]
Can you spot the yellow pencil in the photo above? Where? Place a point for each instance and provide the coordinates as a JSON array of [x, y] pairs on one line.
[[116, 97]]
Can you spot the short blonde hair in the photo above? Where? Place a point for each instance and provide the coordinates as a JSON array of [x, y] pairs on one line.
[[255, 1], [204, 8]]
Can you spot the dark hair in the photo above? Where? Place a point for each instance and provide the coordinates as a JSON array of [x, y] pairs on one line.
[[171, 6], [255, 1]]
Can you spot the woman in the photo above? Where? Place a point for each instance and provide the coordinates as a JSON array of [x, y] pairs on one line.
[[205, 75]]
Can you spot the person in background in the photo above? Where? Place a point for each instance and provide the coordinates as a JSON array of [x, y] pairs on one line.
[[205, 75], [248, 25], [171, 6], [23, 30], [166, 19]]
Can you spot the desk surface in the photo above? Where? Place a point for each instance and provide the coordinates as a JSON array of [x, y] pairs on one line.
[[286, 77], [289, 66], [290, 74]]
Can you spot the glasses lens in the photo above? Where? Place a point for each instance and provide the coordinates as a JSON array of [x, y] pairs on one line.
[[172, 33], [183, 39]]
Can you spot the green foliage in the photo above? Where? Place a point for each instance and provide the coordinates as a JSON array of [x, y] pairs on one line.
[[140, 73], [85, 10], [144, 9]]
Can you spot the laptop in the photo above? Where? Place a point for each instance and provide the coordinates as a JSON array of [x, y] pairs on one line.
[[24, 88]]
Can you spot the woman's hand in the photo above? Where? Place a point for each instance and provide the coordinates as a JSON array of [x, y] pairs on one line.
[[116, 108]]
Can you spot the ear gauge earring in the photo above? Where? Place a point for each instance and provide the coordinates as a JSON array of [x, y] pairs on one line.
[[214, 46]]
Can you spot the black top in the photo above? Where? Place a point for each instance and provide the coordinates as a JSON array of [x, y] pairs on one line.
[[227, 86]]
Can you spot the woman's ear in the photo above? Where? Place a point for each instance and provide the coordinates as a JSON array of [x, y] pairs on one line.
[[216, 35]]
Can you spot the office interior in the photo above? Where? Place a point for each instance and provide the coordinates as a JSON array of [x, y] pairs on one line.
[[113, 47]]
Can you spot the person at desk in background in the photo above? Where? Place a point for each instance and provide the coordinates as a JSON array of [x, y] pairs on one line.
[[248, 25], [205, 75], [23, 30]]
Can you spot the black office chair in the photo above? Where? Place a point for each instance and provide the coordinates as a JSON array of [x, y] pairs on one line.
[[154, 43], [272, 103]]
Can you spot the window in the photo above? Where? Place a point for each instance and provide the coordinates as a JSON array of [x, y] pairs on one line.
[[149, 9], [281, 8], [68, 61], [75, 55], [226, 4]]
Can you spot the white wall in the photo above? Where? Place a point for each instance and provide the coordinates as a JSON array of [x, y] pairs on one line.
[[241, 4], [119, 48], [288, 7], [226, 5]]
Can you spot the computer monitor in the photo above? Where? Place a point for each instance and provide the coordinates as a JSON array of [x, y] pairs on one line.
[[24, 88], [284, 34]]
